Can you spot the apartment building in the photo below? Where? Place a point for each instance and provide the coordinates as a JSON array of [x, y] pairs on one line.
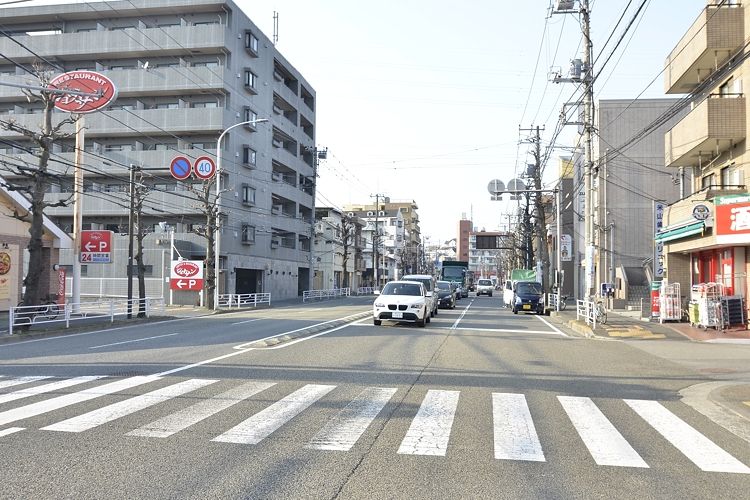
[[706, 234], [331, 226], [186, 71]]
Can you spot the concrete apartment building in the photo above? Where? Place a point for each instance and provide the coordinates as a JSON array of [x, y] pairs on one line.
[[186, 71], [707, 233], [329, 252], [398, 236], [631, 178]]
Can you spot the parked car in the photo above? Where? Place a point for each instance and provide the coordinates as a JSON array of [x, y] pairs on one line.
[[401, 301], [456, 291], [528, 297], [446, 294], [429, 285], [485, 287], [508, 293]]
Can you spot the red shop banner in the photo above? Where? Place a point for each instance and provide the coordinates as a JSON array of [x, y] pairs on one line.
[[733, 223]]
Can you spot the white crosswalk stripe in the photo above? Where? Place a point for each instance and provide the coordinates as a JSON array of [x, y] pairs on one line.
[[18, 381], [53, 404], [604, 442], [256, 428], [343, 431], [171, 424], [43, 389], [430, 430], [10, 430], [117, 410], [694, 445], [514, 431]]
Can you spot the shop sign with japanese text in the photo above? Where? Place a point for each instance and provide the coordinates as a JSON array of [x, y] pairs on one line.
[[733, 223]]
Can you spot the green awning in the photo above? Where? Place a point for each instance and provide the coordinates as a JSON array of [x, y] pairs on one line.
[[680, 232]]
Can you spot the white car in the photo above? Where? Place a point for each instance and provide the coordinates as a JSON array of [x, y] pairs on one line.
[[429, 286], [401, 301], [485, 286]]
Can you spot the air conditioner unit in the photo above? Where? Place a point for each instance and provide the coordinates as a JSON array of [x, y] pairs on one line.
[[278, 76], [276, 176], [564, 5], [275, 242], [276, 209], [277, 143], [277, 109]]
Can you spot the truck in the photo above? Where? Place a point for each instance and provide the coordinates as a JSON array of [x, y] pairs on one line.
[[456, 271], [516, 275]]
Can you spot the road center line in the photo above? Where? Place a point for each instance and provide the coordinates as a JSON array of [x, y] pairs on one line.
[[247, 321], [134, 340], [463, 313]]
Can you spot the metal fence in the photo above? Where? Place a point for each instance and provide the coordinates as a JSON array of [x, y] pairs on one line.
[[115, 287], [365, 290], [238, 300], [586, 309], [325, 294], [104, 310]]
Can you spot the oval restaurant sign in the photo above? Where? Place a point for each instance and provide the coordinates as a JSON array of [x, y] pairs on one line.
[[186, 275], [101, 88]]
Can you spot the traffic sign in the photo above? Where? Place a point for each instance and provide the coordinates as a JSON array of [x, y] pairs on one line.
[[180, 168], [186, 275], [96, 247], [204, 168]]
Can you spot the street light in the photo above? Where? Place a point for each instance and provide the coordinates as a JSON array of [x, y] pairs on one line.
[[217, 234]]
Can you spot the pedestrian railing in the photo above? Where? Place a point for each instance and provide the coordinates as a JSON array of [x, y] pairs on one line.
[[365, 290], [238, 300], [325, 294], [103, 310], [552, 301], [586, 309]]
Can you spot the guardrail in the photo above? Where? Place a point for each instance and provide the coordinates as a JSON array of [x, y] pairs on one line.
[[238, 300], [47, 314], [552, 301], [587, 310], [325, 294], [365, 290]]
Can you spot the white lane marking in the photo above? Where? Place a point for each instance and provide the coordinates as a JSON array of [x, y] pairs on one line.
[[431, 428], [134, 340], [247, 321], [345, 318], [43, 389], [287, 344], [19, 381], [552, 326], [694, 445], [343, 431], [256, 428], [171, 424], [499, 330], [461, 316], [49, 405], [118, 410], [515, 434], [10, 430], [605, 443]]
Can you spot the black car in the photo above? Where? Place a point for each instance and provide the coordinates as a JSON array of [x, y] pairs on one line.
[[446, 294], [528, 297]]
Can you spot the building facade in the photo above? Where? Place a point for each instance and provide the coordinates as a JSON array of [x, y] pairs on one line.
[[330, 271], [186, 71], [706, 234]]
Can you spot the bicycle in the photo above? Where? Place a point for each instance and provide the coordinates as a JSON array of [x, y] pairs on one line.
[[48, 310], [601, 312], [563, 302]]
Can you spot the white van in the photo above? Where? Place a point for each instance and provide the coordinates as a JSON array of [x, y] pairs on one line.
[[508, 293]]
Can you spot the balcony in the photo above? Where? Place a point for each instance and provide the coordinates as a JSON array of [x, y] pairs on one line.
[[714, 36], [708, 130]]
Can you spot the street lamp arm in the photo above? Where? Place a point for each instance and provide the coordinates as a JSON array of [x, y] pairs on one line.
[[249, 122]]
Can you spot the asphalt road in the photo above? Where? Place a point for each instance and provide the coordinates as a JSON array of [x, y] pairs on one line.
[[479, 404]]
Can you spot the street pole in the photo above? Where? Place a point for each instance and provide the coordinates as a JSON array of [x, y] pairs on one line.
[[588, 104], [558, 195], [78, 214], [130, 241], [217, 233]]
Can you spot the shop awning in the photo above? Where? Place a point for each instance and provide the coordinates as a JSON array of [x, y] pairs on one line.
[[685, 230]]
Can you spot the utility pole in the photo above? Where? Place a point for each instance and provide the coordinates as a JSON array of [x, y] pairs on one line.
[[130, 240], [376, 240]]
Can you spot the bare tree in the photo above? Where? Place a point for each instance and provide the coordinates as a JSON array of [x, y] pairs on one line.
[[347, 239], [34, 180], [140, 192], [209, 206]]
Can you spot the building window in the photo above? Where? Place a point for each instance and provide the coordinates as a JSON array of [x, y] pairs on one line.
[[208, 104], [166, 105], [250, 115], [248, 194], [205, 64], [708, 181], [251, 43], [250, 80], [248, 233], [248, 155]]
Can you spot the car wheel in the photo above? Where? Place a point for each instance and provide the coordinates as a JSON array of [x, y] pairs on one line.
[[421, 323], [489, 294], [436, 311], [427, 318], [376, 322], [515, 311]]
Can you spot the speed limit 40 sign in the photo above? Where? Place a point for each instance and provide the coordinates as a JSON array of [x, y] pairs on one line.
[[204, 168]]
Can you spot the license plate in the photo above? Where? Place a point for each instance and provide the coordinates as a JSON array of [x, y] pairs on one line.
[[397, 314], [527, 306]]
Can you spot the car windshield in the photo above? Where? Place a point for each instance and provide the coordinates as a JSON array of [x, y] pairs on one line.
[[529, 287], [427, 282], [401, 289], [443, 285], [484, 283]]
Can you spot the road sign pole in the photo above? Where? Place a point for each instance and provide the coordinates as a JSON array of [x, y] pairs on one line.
[[130, 241], [77, 215]]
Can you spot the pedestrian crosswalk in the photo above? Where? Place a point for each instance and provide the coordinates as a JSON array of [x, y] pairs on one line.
[[514, 434]]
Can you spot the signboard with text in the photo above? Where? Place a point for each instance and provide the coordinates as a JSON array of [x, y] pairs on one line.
[[96, 247], [186, 275], [733, 223], [659, 208]]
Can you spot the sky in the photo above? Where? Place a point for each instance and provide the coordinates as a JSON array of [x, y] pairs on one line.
[[423, 100]]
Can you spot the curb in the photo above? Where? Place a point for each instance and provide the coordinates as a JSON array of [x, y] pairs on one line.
[[704, 399]]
